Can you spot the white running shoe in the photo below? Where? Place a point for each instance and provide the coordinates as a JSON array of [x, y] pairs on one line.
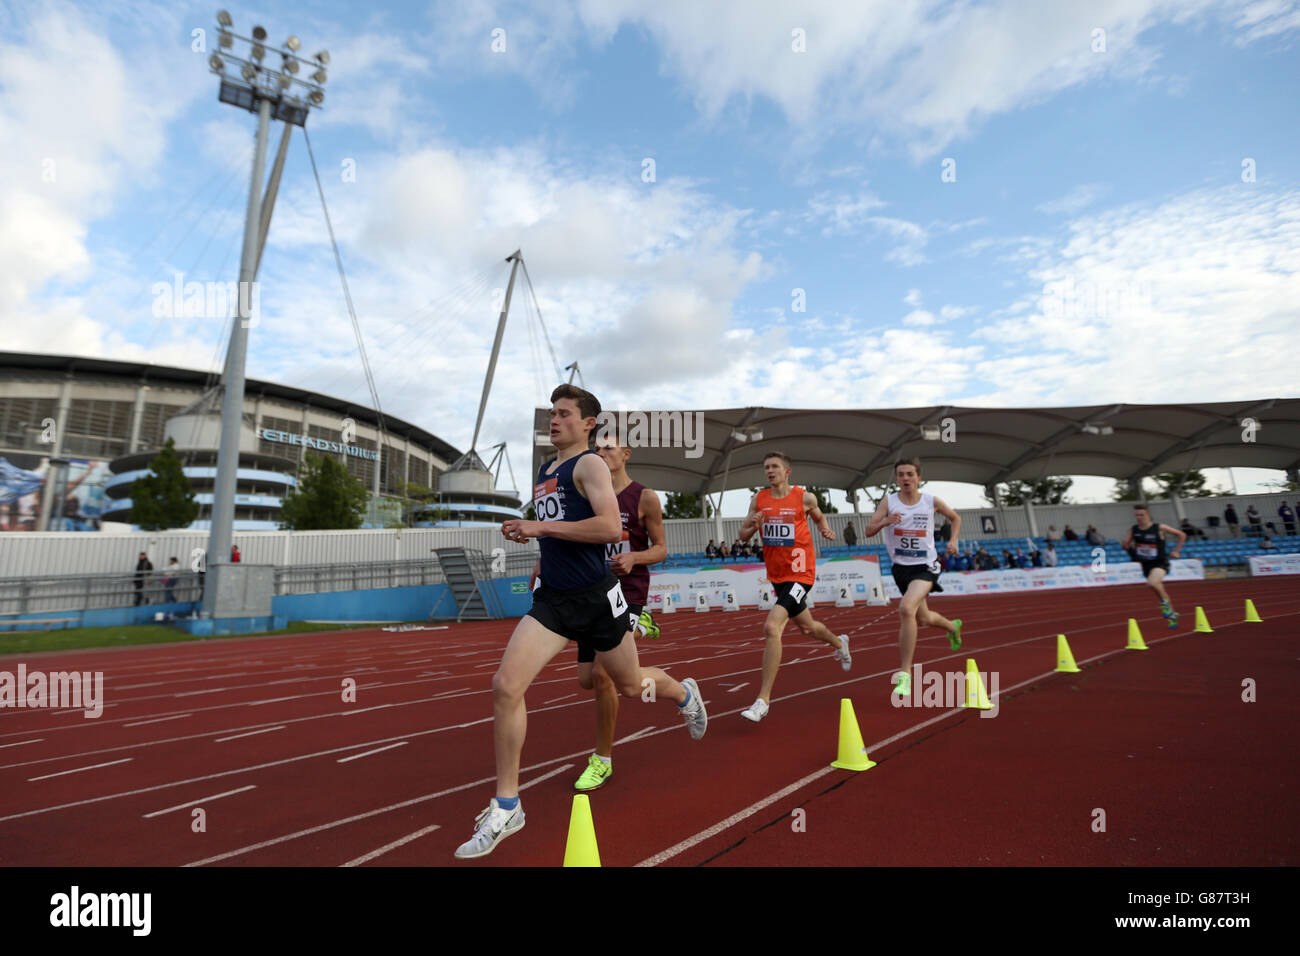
[[757, 711], [697, 718], [492, 826], [844, 655]]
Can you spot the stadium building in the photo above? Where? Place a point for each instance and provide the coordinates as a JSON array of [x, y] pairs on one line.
[[76, 433]]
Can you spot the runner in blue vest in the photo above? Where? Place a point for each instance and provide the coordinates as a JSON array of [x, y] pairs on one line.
[[579, 599]]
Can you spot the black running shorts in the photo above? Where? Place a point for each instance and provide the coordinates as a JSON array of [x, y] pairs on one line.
[[595, 615], [905, 574], [587, 652], [1149, 566], [792, 595]]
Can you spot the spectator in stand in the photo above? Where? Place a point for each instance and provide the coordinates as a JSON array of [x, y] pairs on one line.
[[1190, 529], [1050, 559], [1094, 537], [1052, 536], [1071, 534], [850, 535], [1022, 559], [756, 549], [1255, 525], [1036, 558], [724, 552], [944, 532], [142, 568], [738, 549], [1288, 517], [986, 561], [1267, 544], [1008, 559], [971, 563], [712, 550], [234, 554], [1232, 521], [169, 582]]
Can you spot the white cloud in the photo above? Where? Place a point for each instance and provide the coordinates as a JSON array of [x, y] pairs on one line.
[[1077, 199]]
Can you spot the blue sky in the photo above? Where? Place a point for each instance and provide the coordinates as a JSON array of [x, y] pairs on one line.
[[1097, 244]]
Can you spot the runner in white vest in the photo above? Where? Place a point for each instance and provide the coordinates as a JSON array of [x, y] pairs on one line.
[[908, 517]]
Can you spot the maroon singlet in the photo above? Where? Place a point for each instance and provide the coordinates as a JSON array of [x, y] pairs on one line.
[[636, 585]]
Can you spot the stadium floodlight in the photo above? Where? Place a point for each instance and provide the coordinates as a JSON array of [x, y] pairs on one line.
[[930, 432], [748, 433], [1097, 428], [270, 93], [319, 75], [323, 57]]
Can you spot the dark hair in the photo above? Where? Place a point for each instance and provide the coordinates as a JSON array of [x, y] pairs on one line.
[[1138, 507], [913, 461], [777, 454], [588, 404]]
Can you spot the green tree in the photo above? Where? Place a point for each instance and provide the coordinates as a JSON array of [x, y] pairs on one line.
[[686, 506], [162, 499], [1122, 492], [327, 497], [1186, 484], [1043, 491], [823, 500]]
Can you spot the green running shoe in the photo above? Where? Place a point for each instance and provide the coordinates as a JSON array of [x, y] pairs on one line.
[[648, 625], [595, 775], [954, 636], [902, 684]]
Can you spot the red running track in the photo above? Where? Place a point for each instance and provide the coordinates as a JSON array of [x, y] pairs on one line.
[[255, 733]]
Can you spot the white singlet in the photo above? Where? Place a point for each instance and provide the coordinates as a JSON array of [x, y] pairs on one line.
[[912, 540]]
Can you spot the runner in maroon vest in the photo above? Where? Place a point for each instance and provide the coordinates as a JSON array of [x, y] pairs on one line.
[[642, 544]]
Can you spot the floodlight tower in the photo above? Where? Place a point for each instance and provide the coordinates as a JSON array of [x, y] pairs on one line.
[[270, 93]]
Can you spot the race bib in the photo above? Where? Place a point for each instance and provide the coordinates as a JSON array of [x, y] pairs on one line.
[[546, 501], [910, 542], [1147, 551], [613, 548], [778, 534], [617, 603]]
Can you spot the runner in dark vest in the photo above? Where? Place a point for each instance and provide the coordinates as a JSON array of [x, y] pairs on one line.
[[579, 599], [641, 544], [1146, 544]]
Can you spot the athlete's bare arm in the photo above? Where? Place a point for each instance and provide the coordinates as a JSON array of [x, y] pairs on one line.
[[652, 519], [751, 522], [1127, 542], [591, 475], [954, 519], [815, 512], [881, 518], [1179, 534]]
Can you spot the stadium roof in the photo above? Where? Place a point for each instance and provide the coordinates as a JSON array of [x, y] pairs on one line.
[[856, 448], [146, 372]]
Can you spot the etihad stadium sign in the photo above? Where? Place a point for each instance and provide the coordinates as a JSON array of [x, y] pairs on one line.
[[320, 444]]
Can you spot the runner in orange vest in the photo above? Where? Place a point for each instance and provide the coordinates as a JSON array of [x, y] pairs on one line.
[[780, 515]]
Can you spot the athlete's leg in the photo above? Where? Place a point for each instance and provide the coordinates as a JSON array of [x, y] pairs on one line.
[[908, 607], [773, 628], [927, 618], [530, 649], [628, 676], [1155, 580], [813, 628], [606, 712]]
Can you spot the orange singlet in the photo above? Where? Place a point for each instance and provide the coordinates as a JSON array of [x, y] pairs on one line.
[[787, 543]]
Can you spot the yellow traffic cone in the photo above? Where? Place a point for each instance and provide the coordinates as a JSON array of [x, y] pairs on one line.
[[1252, 616], [581, 850], [976, 696], [1064, 659], [852, 751], [1135, 642], [1202, 622]]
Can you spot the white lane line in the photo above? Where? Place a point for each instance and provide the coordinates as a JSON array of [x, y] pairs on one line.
[[366, 858], [545, 776], [22, 743], [640, 733], [157, 720], [369, 752], [736, 688], [62, 773], [251, 733], [156, 683], [558, 699], [196, 693], [215, 796], [273, 700]]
